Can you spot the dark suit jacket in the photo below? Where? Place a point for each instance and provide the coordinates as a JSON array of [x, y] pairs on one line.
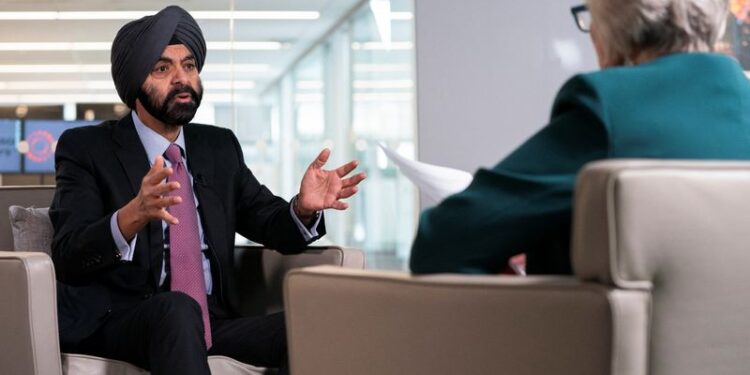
[[99, 170]]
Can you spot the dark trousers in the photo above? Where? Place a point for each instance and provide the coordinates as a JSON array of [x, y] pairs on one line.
[[164, 334]]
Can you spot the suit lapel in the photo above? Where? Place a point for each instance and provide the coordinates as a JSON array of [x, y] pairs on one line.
[[134, 160], [200, 158], [201, 163], [131, 153]]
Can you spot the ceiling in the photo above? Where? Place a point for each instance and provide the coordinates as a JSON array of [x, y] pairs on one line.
[[80, 72]]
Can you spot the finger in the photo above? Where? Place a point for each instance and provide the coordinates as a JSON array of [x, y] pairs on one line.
[[322, 158], [158, 163], [165, 188], [157, 175], [354, 180], [337, 205], [157, 166], [167, 201], [166, 216], [346, 168], [348, 192]]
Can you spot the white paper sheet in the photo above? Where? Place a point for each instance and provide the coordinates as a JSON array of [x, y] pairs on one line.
[[433, 181]]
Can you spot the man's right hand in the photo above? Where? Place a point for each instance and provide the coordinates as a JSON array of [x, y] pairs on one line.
[[151, 203]]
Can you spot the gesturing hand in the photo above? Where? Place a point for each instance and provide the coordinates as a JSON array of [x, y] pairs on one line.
[[321, 189], [151, 202]]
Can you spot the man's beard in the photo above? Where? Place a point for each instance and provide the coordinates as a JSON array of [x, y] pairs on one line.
[[168, 111]]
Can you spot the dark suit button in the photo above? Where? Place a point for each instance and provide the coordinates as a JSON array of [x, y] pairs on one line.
[[118, 255], [148, 295]]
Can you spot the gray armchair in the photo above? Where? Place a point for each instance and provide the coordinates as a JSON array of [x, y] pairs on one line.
[[660, 252], [28, 317]]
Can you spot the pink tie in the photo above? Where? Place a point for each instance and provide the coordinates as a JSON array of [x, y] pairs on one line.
[[186, 263]]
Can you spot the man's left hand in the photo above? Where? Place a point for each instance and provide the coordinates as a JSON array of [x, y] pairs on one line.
[[321, 189]]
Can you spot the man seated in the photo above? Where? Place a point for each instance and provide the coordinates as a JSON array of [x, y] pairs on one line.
[[147, 207]]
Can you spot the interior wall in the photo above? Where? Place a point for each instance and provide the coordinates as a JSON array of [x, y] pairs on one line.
[[487, 73]]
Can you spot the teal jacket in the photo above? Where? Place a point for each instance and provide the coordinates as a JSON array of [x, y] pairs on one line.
[[681, 106]]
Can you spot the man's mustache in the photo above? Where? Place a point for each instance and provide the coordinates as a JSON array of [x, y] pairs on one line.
[[181, 90]]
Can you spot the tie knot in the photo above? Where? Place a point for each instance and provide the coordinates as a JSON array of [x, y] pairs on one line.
[[173, 154]]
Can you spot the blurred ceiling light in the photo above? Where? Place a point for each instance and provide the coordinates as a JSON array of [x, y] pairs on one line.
[[108, 85], [229, 85], [402, 16], [55, 68], [294, 15], [62, 46], [381, 68], [59, 99], [105, 68], [120, 109], [309, 85], [22, 110], [129, 15], [383, 84], [105, 46], [56, 85], [382, 46], [360, 145], [247, 46], [309, 98], [106, 98], [383, 97], [239, 68]]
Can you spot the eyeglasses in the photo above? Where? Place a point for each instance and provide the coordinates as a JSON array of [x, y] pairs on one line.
[[582, 16]]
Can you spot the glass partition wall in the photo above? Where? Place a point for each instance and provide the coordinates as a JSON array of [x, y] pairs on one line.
[[352, 91]]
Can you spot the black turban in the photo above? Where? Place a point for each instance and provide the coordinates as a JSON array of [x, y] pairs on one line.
[[140, 43]]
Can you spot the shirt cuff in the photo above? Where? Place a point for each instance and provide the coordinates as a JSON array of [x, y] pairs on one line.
[[307, 233], [127, 250]]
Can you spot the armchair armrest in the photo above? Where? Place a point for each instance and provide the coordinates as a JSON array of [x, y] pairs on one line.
[[342, 321], [28, 314], [260, 272]]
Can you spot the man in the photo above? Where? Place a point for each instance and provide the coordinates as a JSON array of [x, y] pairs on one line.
[[146, 209]]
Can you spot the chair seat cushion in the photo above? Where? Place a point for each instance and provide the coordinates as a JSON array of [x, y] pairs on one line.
[[80, 364]]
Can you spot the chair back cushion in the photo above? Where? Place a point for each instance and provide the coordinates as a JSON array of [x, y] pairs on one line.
[[32, 229], [24, 196], [680, 229]]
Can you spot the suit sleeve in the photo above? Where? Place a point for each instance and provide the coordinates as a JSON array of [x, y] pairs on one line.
[[508, 208], [83, 244], [265, 218]]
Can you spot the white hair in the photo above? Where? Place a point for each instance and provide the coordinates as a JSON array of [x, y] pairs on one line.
[[628, 27]]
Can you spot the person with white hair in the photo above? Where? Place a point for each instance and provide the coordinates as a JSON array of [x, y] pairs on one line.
[[661, 93]]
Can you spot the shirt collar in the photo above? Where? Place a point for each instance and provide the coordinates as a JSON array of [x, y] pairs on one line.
[[154, 143]]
